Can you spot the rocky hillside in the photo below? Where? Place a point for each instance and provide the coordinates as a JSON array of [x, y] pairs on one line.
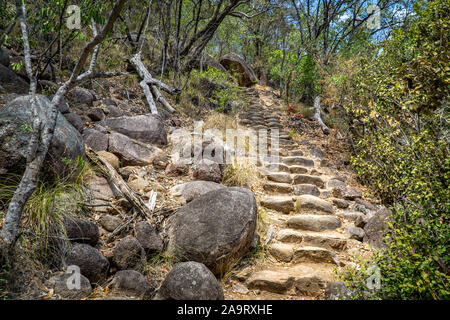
[[147, 225]]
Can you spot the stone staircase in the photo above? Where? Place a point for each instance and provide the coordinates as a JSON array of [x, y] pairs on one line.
[[310, 241]]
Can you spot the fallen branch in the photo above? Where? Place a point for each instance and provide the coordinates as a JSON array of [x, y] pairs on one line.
[[152, 92], [317, 111], [121, 185]]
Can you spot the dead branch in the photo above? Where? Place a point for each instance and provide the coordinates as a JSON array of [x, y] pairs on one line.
[[121, 185], [22, 14], [151, 92], [317, 117]]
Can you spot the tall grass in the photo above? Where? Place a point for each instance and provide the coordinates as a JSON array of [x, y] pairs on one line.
[[50, 204]]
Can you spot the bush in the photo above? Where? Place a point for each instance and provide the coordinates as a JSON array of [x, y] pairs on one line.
[[400, 136]]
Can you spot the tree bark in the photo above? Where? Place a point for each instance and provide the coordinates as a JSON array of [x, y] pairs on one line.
[[317, 117]]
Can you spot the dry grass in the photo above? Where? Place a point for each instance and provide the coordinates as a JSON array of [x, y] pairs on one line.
[[51, 203], [159, 265], [220, 121], [241, 174]]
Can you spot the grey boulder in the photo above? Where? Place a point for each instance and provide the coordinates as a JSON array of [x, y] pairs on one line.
[[146, 128], [208, 170], [93, 265], [148, 237], [376, 228], [63, 285], [81, 230], [129, 254], [96, 140], [190, 190], [16, 131], [235, 64], [81, 96], [130, 151], [190, 281], [219, 224], [131, 282]]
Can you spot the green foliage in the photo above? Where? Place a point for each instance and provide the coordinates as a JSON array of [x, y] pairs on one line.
[[401, 138], [218, 88]]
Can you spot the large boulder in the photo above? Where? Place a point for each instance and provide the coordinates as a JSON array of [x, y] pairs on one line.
[[190, 190], [218, 225], [190, 281], [81, 230], [93, 265], [95, 139], [81, 96], [148, 128], [11, 82], [208, 170], [236, 65], [16, 131], [131, 151], [376, 228]]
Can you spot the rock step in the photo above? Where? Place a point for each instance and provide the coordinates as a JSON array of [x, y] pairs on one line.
[[301, 189], [278, 187], [313, 204], [299, 161], [331, 240], [314, 254], [311, 222], [282, 177], [284, 204], [308, 283], [284, 252], [309, 179], [277, 167], [298, 169]]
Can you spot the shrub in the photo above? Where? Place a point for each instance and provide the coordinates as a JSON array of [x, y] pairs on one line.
[[401, 141]]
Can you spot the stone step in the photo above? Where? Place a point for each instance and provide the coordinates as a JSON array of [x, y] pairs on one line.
[[274, 167], [300, 281], [281, 251], [333, 241], [297, 153], [309, 179], [271, 281], [282, 177], [315, 255], [284, 204], [350, 215], [300, 189], [278, 187], [310, 203], [298, 169], [311, 222], [299, 161]]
